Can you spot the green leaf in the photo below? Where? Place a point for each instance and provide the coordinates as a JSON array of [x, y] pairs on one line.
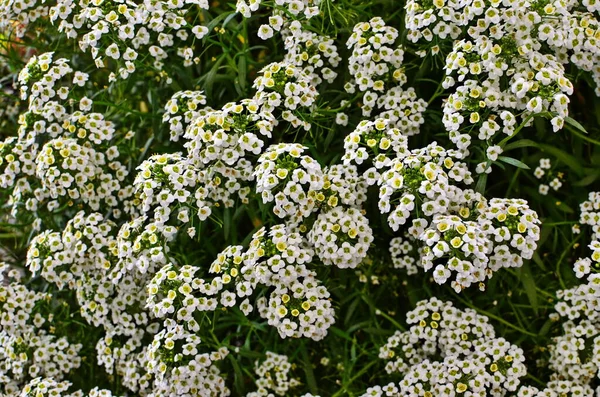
[[209, 78], [575, 123], [212, 24], [529, 285], [515, 162], [588, 180], [538, 261], [570, 161], [564, 207], [226, 222], [239, 376], [241, 78], [311, 381], [519, 144], [481, 182], [546, 327], [341, 334]]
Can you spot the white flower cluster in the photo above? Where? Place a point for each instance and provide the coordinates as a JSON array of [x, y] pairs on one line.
[[342, 184], [285, 86], [545, 173], [375, 61], [48, 387], [575, 355], [82, 258], [557, 388], [273, 376], [181, 369], [162, 180], [143, 246], [590, 213], [341, 237], [297, 305], [421, 176], [17, 15], [446, 352], [60, 158], [461, 245], [297, 8], [509, 65], [316, 55], [180, 294], [403, 257], [292, 298], [66, 168], [403, 109], [474, 236], [28, 348], [373, 143], [181, 110], [117, 34], [289, 178]]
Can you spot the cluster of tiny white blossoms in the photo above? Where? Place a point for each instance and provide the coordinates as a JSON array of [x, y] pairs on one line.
[[514, 229], [590, 213], [81, 258], [461, 245], [403, 255], [341, 237], [180, 293], [284, 88], [116, 246], [372, 144], [403, 109], [575, 354], [273, 376], [115, 34], [508, 65], [181, 110], [28, 346], [290, 178], [552, 179], [180, 368], [375, 63], [447, 351], [342, 184], [60, 158], [297, 304], [316, 55], [297, 8]]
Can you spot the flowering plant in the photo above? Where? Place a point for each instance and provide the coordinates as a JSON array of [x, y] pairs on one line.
[[299, 198]]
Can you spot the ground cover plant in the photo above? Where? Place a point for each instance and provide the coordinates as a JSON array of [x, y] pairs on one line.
[[299, 198]]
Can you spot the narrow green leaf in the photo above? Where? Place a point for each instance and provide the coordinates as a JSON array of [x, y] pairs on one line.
[[212, 24], [351, 310], [481, 182], [239, 376], [529, 285], [538, 261], [241, 79], [341, 334], [209, 78], [515, 162], [570, 161], [588, 180], [546, 327], [519, 144], [229, 18], [311, 381], [575, 123], [226, 222], [564, 207]]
